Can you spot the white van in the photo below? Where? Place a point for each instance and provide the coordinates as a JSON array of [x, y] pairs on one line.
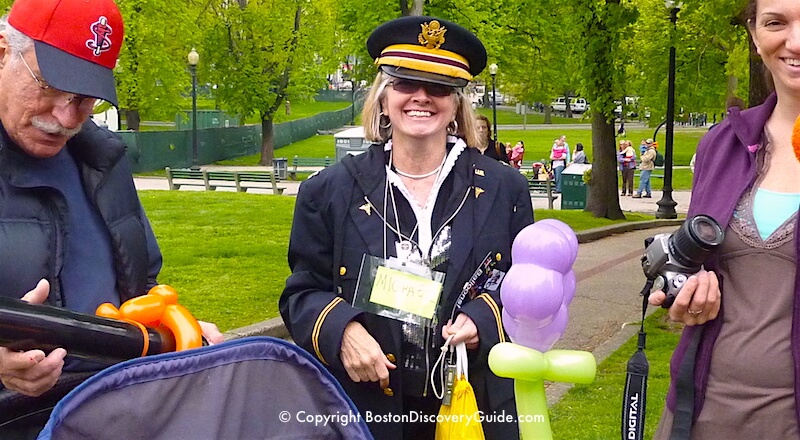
[[576, 105]]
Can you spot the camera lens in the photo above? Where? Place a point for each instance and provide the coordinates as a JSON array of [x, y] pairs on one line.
[[696, 238]]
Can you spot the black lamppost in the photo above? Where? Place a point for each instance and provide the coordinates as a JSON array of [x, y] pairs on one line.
[[666, 206], [493, 72], [193, 59]]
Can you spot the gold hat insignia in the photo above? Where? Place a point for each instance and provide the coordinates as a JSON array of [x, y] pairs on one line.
[[432, 35], [366, 208]]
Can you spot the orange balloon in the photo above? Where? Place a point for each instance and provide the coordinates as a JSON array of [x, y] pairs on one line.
[[145, 309], [165, 291], [108, 310], [183, 325]]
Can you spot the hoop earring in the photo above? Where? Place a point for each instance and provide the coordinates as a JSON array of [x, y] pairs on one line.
[[454, 129], [388, 124]]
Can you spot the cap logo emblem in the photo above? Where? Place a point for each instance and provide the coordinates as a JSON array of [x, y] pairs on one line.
[[432, 35], [101, 42]]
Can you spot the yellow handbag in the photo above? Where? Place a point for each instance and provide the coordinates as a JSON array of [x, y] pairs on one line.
[[460, 420]]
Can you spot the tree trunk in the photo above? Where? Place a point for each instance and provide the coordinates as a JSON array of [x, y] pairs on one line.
[[132, 119], [604, 189], [548, 114], [267, 142]]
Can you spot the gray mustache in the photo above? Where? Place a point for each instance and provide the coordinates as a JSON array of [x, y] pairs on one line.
[[54, 127]]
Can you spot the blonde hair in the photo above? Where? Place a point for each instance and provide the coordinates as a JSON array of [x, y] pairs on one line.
[[375, 130]]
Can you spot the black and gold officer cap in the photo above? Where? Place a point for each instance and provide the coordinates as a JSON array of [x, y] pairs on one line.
[[427, 49]]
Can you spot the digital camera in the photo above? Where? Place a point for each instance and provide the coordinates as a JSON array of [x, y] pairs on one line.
[[670, 259]]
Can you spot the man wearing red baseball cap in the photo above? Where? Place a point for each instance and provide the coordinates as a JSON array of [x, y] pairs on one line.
[[72, 229]]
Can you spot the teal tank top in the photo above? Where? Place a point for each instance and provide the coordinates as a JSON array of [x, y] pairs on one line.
[[772, 208]]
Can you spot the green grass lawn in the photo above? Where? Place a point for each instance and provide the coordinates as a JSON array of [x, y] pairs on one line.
[[300, 110], [593, 411]]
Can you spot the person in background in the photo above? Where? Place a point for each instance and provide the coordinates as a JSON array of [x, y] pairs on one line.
[[739, 347], [626, 157], [579, 156], [419, 200], [646, 167], [517, 154], [644, 145], [559, 156], [487, 146], [72, 230]]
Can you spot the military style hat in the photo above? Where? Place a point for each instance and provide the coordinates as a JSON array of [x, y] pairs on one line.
[[427, 49]]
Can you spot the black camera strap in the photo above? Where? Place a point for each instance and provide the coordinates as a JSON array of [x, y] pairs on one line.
[[633, 405]]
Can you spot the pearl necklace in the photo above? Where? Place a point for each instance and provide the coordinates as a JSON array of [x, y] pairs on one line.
[[422, 176]]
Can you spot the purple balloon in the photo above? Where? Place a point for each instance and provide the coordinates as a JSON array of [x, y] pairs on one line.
[[509, 324], [568, 233], [545, 245], [570, 284], [541, 338], [532, 294]]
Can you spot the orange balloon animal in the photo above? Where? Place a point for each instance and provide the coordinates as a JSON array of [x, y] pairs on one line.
[[159, 308]]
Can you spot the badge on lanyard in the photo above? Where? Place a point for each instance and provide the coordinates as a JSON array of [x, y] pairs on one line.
[[399, 289]]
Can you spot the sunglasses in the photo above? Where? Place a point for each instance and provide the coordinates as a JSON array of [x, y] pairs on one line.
[[409, 87]]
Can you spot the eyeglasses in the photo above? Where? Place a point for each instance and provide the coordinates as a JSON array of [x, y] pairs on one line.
[[85, 103], [409, 87]]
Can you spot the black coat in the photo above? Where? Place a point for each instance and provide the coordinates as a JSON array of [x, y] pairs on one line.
[[338, 218]]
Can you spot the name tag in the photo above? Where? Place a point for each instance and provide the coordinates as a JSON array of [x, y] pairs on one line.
[[404, 291]]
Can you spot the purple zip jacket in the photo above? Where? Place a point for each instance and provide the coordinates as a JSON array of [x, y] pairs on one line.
[[725, 169]]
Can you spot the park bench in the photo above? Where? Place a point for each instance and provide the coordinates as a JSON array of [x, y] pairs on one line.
[[182, 177], [211, 180], [308, 162], [257, 176], [542, 189]]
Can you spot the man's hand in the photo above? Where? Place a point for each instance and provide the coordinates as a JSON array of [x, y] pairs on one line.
[[463, 330], [362, 356], [31, 372], [211, 333]]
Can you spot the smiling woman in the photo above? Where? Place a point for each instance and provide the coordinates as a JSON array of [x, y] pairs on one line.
[[422, 206]]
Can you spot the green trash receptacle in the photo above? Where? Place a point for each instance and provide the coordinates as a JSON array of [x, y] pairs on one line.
[[573, 189], [280, 166]]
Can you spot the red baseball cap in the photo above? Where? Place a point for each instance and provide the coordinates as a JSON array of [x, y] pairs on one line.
[[77, 42]]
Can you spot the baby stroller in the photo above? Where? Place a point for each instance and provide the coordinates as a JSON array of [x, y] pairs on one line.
[[251, 388]]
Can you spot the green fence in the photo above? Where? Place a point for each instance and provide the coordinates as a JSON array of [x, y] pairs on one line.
[[154, 150], [206, 119]]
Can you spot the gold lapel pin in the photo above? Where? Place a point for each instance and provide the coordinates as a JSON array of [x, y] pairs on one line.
[[478, 191], [479, 172], [366, 208]]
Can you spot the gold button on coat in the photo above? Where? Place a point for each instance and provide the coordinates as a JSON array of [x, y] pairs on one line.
[[390, 357], [342, 270], [388, 392]]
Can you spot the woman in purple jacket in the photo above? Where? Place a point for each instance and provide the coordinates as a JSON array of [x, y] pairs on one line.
[[736, 371]]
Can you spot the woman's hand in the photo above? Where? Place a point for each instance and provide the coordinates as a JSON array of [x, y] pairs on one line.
[[463, 330], [362, 356], [31, 372], [697, 302]]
